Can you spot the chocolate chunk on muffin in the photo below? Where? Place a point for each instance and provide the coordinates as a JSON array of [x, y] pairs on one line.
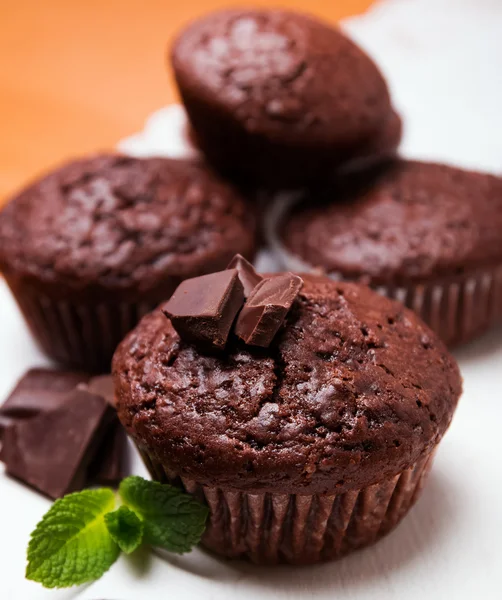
[[94, 245], [280, 98], [427, 234], [306, 449]]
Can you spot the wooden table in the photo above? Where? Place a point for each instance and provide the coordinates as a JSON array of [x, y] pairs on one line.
[[77, 76]]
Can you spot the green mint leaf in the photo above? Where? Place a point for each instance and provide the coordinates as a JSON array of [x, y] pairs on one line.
[[126, 528], [71, 544], [172, 519]]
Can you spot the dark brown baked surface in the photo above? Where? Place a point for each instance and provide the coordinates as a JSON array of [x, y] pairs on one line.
[[409, 221], [117, 223], [353, 390], [280, 96]]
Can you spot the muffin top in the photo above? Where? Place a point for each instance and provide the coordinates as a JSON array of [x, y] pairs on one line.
[[408, 221], [122, 223], [284, 75], [354, 388]]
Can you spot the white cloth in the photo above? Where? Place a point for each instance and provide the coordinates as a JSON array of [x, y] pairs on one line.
[[443, 59]]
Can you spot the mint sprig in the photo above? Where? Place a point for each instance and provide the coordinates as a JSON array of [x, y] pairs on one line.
[[172, 520], [82, 534], [71, 544]]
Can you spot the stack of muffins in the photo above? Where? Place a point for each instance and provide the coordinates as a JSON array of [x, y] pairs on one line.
[[318, 443], [286, 103]]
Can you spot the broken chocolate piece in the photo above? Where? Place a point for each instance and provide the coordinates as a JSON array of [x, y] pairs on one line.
[[35, 398], [202, 309], [52, 451], [102, 385], [108, 466], [40, 390], [37, 391], [52, 380], [247, 273], [266, 308], [23, 404]]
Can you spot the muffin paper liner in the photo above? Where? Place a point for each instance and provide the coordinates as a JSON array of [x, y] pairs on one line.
[[269, 528], [77, 335], [457, 308]]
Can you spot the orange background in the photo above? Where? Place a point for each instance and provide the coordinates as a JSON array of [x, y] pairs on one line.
[[78, 75]]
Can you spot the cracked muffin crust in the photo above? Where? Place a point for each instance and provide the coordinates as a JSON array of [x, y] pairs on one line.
[[354, 390], [425, 233], [92, 246], [407, 221], [281, 98], [113, 223]]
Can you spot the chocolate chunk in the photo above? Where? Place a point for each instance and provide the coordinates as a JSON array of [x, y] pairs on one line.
[[52, 451], [247, 273], [102, 385], [40, 390], [23, 404], [266, 308], [51, 380], [203, 309], [108, 466]]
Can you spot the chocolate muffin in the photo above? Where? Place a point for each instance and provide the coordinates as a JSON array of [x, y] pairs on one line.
[[94, 245], [279, 98], [304, 450], [426, 234]]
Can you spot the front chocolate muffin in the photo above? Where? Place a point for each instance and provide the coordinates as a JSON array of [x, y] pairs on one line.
[[427, 234], [278, 98], [306, 449], [94, 245]]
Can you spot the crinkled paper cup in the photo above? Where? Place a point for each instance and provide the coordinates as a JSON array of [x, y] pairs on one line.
[[269, 528], [458, 308], [79, 335]]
